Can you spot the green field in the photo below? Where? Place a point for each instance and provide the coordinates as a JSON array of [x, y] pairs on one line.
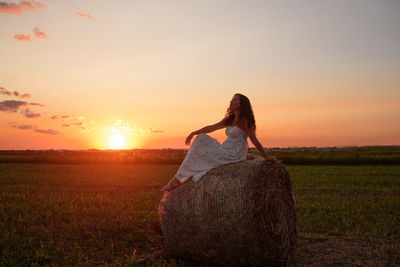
[[91, 214]]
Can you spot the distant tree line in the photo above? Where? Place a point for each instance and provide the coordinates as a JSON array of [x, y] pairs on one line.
[[370, 155]]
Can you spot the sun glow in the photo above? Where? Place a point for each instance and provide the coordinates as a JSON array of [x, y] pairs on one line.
[[116, 141]]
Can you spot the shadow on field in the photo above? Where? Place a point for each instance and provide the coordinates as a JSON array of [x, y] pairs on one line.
[[311, 249]]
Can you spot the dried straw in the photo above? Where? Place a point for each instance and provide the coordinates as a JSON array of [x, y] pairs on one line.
[[240, 213]]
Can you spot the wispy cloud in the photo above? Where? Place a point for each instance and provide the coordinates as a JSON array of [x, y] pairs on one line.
[[12, 106], [74, 122], [126, 128], [36, 104], [39, 34], [48, 131], [36, 33], [81, 14], [79, 122], [17, 8], [23, 127], [29, 113], [22, 38], [33, 127], [4, 91]]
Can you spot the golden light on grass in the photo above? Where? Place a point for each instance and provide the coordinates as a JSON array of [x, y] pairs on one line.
[[116, 141]]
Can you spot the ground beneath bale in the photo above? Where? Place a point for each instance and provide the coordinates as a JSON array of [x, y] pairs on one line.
[[323, 250]]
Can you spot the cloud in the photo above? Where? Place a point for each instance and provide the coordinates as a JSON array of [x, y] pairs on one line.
[[11, 106], [39, 34], [4, 91], [75, 122], [48, 131], [14, 8], [30, 114], [21, 37], [83, 15], [33, 127], [23, 127], [125, 127], [79, 124], [55, 117], [36, 104]]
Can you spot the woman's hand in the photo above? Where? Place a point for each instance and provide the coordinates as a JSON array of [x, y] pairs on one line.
[[187, 141], [271, 158]]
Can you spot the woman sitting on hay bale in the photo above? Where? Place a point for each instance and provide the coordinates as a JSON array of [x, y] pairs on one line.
[[207, 153], [239, 214]]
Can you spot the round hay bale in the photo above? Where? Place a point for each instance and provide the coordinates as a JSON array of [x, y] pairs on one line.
[[241, 213]]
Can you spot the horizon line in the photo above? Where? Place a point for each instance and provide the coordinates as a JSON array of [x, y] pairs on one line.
[[168, 148]]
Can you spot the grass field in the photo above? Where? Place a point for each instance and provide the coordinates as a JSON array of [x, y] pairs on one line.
[[93, 214]]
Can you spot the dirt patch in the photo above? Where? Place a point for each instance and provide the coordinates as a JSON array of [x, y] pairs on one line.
[[321, 250]]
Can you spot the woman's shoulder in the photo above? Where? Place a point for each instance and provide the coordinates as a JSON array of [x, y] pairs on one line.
[[243, 122], [245, 125]]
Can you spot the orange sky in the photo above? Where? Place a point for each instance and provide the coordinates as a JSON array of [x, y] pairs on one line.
[[154, 71]]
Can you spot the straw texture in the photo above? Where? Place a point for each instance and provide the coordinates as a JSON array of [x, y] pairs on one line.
[[238, 214]]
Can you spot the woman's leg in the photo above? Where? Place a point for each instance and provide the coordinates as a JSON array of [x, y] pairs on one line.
[[174, 182]]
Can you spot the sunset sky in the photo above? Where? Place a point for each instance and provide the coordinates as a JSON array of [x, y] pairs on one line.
[[78, 74]]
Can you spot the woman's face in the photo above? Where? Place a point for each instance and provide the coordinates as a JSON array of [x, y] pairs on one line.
[[235, 103]]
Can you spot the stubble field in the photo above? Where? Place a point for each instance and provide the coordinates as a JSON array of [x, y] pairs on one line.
[[105, 214]]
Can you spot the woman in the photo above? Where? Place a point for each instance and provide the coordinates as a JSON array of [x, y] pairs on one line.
[[207, 153]]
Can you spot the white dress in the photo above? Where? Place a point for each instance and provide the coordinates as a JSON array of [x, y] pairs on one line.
[[207, 153]]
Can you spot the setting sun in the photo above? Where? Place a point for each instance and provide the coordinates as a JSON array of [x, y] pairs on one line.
[[116, 141]]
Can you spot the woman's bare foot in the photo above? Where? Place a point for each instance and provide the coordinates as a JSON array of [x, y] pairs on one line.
[[172, 184]]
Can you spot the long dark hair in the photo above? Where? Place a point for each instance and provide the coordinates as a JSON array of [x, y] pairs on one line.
[[245, 112]]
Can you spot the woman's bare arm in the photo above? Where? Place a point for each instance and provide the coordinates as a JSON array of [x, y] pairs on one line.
[[252, 135], [211, 128], [206, 129]]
